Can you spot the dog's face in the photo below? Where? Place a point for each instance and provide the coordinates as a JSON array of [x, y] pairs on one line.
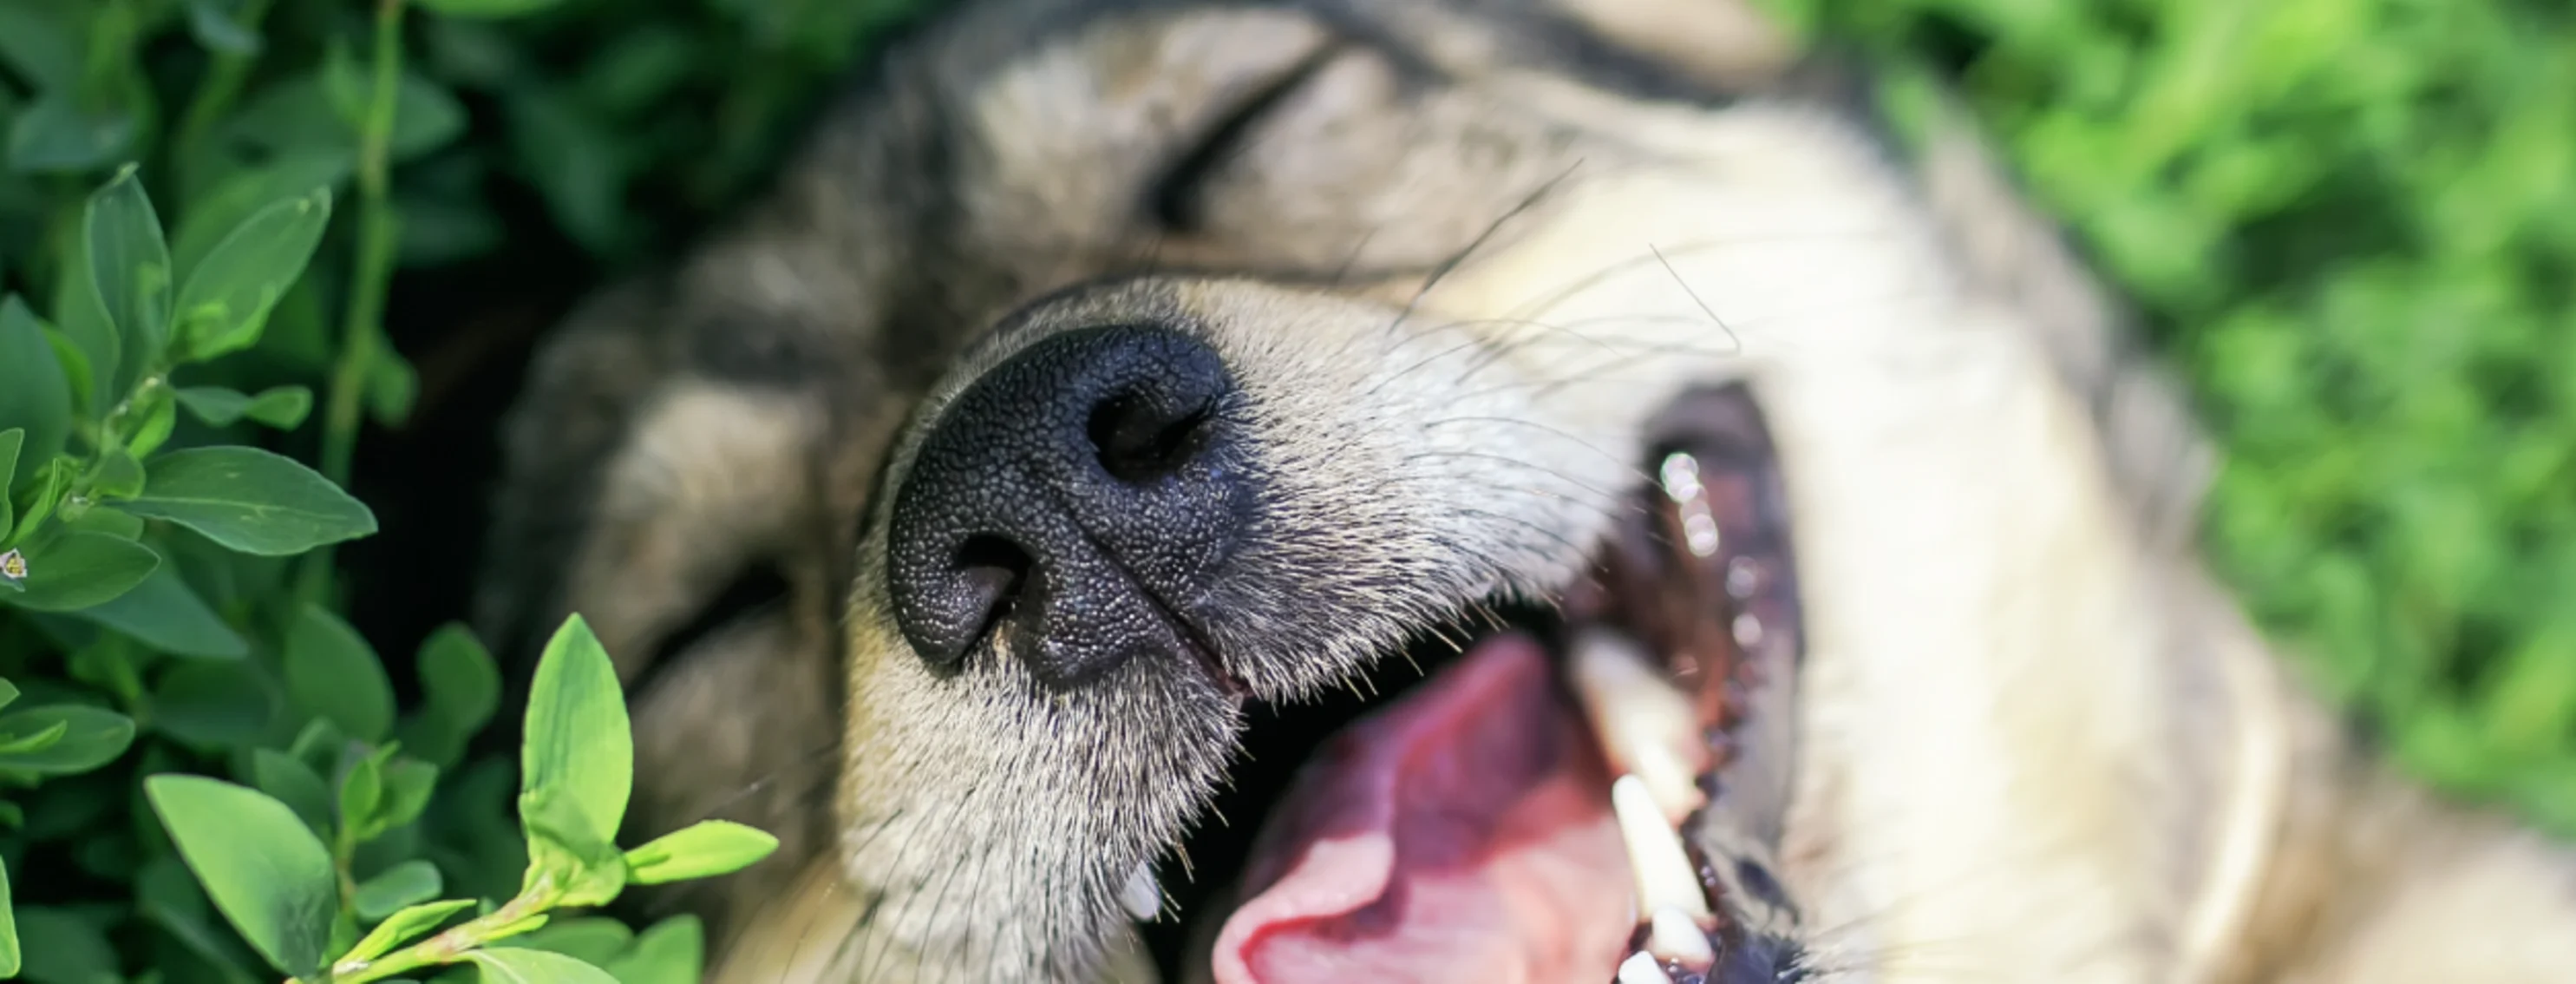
[[1113, 376]]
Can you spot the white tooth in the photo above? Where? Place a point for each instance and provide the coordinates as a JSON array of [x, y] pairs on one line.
[[1640, 968], [1664, 876], [1674, 936], [1141, 896], [1645, 725]]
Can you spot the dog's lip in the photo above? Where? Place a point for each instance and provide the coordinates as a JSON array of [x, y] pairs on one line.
[[1705, 581]]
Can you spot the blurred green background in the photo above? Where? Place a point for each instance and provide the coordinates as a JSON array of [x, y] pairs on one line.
[[2352, 223]]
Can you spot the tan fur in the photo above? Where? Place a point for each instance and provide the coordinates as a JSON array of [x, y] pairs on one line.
[[2038, 742]]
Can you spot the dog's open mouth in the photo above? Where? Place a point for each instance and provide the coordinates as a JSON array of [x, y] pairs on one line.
[[1521, 814]]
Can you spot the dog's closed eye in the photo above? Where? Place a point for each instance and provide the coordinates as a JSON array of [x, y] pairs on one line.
[[1176, 196]]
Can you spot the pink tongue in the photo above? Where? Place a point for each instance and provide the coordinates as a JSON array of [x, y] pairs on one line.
[[1463, 834]]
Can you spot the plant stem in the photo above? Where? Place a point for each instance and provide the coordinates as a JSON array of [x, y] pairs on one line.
[[361, 331], [444, 948]]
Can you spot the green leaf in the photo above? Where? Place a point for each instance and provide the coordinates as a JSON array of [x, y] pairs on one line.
[[129, 267], [56, 136], [221, 210], [165, 614], [332, 673], [250, 500], [74, 947], [8, 692], [39, 46], [487, 9], [362, 788], [79, 568], [700, 850], [392, 386], [160, 417], [404, 925], [567, 865], [408, 783], [119, 476], [218, 705], [231, 290], [91, 737], [458, 678], [578, 758], [111, 521], [84, 324], [9, 956], [265, 871], [518, 966], [214, 25], [282, 407], [393, 889], [578, 742], [33, 741], [10, 441], [288, 780], [590, 939], [673, 951], [34, 394]]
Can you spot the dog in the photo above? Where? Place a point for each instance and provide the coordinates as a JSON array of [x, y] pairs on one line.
[[1530, 490]]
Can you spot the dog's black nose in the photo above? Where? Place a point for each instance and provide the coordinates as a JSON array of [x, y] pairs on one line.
[[1072, 504]]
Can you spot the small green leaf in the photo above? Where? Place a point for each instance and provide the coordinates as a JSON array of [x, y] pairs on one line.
[[160, 416], [119, 476], [88, 344], [579, 743], [80, 568], [590, 939], [213, 704], [408, 783], [566, 864], [32, 741], [488, 9], [392, 386], [265, 871], [700, 850], [673, 951], [35, 395], [222, 209], [10, 441], [129, 266], [332, 673], [404, 925], [250, 500], [288, 780], [393, 889], [458, 678], [165, 614], [73, 947], [518, 966], [91, 737], [214, 25], [9, 955], [362, 790], [8, 692], [230, 292], [282, 407], [55, 136], [113, 522]]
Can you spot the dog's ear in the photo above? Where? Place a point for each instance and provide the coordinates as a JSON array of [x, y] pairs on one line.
[[1729, 45]]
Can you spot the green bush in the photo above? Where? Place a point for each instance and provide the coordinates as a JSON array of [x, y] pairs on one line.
[[2353, 224], [171, 615]]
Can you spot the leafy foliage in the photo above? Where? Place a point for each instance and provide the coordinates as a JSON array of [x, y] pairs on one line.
[[2353, 223], [207, 774]]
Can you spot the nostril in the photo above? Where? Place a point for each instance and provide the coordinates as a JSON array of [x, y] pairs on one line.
[[1139, 442], [991, 573]]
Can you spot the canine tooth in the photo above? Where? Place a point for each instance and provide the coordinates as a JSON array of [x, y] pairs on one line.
[[1641, 968], [1664, 875], [1674, 936], [1141, 896], [1644, 724]]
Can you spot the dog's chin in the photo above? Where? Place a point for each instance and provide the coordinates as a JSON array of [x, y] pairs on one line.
[[1579, 791]]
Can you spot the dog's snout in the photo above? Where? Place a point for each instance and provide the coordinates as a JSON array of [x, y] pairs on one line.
[[1073, 505]]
